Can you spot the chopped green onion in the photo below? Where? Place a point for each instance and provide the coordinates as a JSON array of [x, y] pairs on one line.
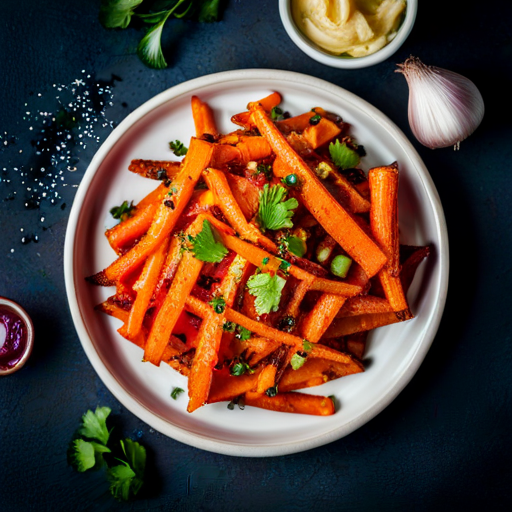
[[340, 265]]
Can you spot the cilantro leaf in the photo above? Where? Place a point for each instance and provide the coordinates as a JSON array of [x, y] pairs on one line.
[[343, 156], [178, 148], [94, 425], [205, 247], [275, 213], [127, 478], [267, 290], [150, 48], [208, 11], [297, 361], [117, 13], [218, 304], [243, 334], [296, 245], [176, 392], [122, 212], [86, 454]]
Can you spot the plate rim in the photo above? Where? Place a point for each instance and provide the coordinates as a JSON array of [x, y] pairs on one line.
[[193, 438]]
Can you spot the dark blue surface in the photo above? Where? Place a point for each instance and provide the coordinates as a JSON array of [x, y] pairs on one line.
[[444, 443]]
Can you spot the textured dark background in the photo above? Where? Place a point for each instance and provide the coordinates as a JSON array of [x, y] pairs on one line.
[[444, 443]]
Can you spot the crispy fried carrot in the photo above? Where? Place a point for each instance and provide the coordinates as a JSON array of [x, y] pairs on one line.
[[247, 150], [299, 292], [333, 217], [384, 225], [298, 403], [154, 169], [218, 184], [317, 321], [296, 123], [204, 119], [145, 286], [168, 211], [225, 387], [267, 378], [181, 286], [268, 103], [362, 305], [359, 323]]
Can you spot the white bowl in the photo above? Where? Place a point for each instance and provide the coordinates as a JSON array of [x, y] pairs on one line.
[[396, 351], [336, 61]]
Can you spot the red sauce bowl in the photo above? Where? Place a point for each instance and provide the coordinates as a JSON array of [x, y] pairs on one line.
[[17, 346]]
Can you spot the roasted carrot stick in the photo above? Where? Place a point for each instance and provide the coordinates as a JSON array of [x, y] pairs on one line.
[[154, 169], [319, 134], [362, 305], [335, 220], [267, 378], [145, 286], [181, 286], [268, 103], [359, 323], [204, 119], [218, 184], [298, 403], [317, 321], [225, 387], [249, 149], [168, 211], [296, 123]]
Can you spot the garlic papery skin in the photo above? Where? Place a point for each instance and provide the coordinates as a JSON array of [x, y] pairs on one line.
[[444, 107]]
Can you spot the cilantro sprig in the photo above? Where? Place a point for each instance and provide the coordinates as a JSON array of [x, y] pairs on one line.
[[122, 212], [93, 440], [267, 290], [274, 212], [178, 148], [205, 247], [119, 14], [299, 358], [343, 156]]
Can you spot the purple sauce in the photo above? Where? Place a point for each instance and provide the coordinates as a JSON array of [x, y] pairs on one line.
[[15, 342]]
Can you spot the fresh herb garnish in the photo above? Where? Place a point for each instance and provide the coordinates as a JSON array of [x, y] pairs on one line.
[[127, 478], [315, 119], [299, 358], [176, 392], [264, 169], [274, 212], [122, 212], [276, 114], [178, 148], [228, 326], [284, 266], [267, 290], [296, 245], [243, 334], [343, 156], [87, 451], [218, 304], [205, 247], [119, 13], [240, 367]]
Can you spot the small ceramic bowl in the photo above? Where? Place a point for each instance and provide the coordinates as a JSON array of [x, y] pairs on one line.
[[17, 311], [320, 55]]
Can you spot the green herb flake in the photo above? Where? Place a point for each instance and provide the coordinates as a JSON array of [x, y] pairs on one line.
[[178, 148], [343, 156], [176, 392], [296, 245], [205, 247], [297, 361], [313, 120], [276, 114], [243, 334], [274, 212], [240, 367], [218, 304], [267, 290], [307, 346], [123, 212], [228, 326], [264, 169]]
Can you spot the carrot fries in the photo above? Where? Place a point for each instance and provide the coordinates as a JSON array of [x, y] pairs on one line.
[[260, 262]]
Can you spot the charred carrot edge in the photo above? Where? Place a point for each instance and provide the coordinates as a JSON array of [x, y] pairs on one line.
[[383, 183], [356, 343], [355, 201], [353, 324], [257, 348], [331, 215], [363, 305], [151, 168], [145, 286], [394, 292], [292, 308], [218, 183], [317, 371], [325, 352], [225, 387], [317, 321], [298, 403], [181, 286], [168, 212], [204, 120], [319, 134], [247, 150], [268, 103], [267, 378]]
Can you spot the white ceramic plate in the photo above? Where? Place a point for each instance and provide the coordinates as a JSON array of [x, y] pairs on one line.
[[395, 351]]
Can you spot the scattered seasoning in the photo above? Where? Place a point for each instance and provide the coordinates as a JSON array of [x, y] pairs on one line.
[[176, 392]]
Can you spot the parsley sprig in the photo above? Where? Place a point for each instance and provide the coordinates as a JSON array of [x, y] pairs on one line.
[[267, 290], [205, 246], [274, 212], [178, 148], [93, 440]]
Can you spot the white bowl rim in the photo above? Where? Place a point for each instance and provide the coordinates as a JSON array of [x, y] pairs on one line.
[[316, 53], [130, 402]]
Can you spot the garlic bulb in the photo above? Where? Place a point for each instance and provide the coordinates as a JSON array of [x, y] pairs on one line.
[[444, 107]]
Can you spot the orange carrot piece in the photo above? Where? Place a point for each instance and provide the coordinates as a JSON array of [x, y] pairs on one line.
[[395, 294], [363, 305], [247, 150], [204, 119], [246, 194], [267, 378], [317, 321], [181, 286], [152, 169], [167, 213], [292, 308], [331, 215], [218, 184], [336, 287], [145, 286], [225, 387], [319, 134], [268, 103], [359, 323], [298, 403], [296, 123]]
